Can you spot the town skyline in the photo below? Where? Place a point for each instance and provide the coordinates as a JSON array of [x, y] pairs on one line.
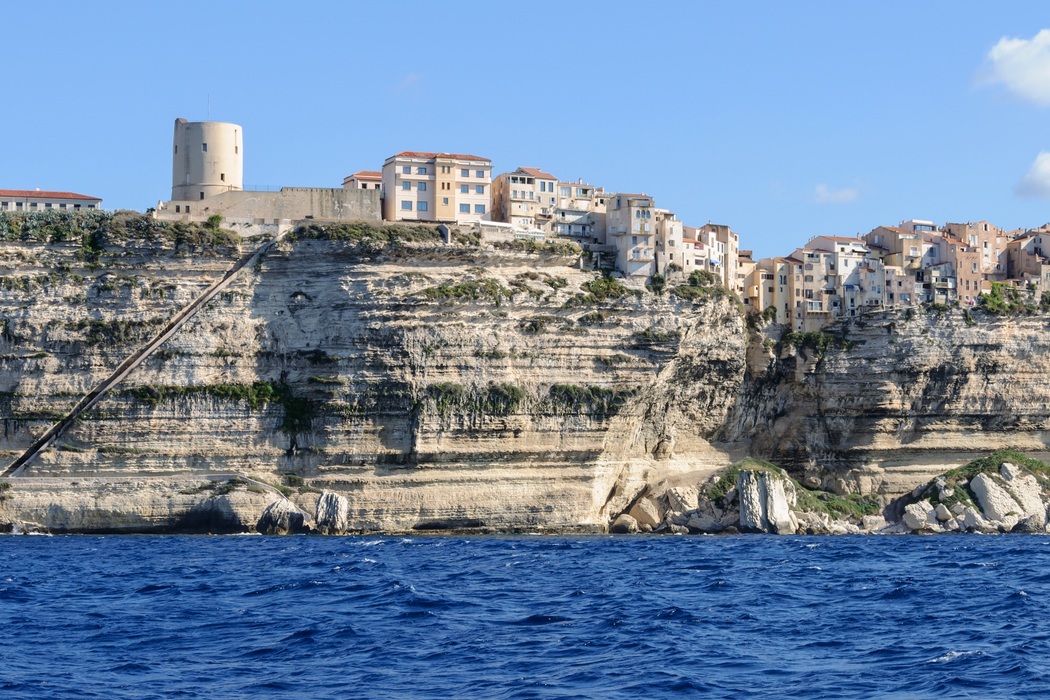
[[782, 122]]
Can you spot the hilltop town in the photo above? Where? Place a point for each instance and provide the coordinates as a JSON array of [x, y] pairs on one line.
[[829, 278]]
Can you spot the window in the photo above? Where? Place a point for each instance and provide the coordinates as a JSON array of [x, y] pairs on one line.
[[236, 150], [222, 177], [406, 169], [566, 191], [444, 200], [176, 148], [47, 206], [3, 205], [464, 189], [479, 189], [421, 206], [464, 208], [421, 171], [202, 195], [204, 147], [178, 209], [479, 208], [406, 205], [464, 172], [406, 185], [480, 173], [421, 186], [187, 208]]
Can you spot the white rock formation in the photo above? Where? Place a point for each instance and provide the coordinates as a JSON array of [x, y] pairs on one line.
[[764, 505], [331, 517]]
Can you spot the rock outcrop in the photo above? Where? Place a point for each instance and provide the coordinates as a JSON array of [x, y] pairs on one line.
[[988, 495]]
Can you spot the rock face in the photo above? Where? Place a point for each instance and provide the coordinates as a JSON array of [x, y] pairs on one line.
[[429, 385], [764, 502], [464, 386]]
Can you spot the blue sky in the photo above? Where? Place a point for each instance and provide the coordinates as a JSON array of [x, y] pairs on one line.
[[782, 120]]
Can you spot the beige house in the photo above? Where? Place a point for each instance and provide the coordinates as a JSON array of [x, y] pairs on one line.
[[364, 180], [525, 198], [424, 186], [668, 245], [630, 227], [581, 212], [41, 200]]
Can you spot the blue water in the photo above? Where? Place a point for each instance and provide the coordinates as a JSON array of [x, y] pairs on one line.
[[525, 617]]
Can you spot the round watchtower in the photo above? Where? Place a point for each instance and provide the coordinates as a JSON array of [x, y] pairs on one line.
[[207, 159]]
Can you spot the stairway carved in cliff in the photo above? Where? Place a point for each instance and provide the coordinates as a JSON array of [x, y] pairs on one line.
[[20, 465]]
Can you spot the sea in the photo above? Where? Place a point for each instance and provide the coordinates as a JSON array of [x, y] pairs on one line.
[[745, 616]]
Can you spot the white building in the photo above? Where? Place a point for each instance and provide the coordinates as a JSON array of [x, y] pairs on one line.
[[424, 186], [629, 226], [525, 198], [40, 200]]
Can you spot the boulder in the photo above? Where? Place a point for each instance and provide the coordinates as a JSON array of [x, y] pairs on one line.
[[995, 501], [957, 508], [942, 513], [765, 502], [1009, 471], [703, 522], [972, 521], [682, 499], [919, 516], [1031, 524], [282, 518], [678, 530], [332, 514], [873, 523], [645, 512], [624, 525]]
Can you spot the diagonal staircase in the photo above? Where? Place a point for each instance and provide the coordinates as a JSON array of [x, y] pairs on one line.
[[20, 465]]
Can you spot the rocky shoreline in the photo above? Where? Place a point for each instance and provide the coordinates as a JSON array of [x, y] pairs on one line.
[[1004, 493]]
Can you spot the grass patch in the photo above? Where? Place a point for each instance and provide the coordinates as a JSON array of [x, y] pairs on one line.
[[596, 401], [482, 290], [958, 479]]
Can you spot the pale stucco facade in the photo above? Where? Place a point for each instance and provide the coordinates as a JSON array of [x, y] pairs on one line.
[[424, 186], [207, 159]]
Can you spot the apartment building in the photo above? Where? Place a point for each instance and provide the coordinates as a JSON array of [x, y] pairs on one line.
[[630, 227], [723, 246], [525, 198], [580, 212], [669, 249], [423, 186], [41, 200]]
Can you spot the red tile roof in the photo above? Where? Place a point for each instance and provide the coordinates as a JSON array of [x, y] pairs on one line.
[[536, 172], [844, 239], [430, 155], [367, 175], [44, 194]]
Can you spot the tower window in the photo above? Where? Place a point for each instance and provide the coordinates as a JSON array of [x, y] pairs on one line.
[[236, 150], [202, 195], [176, 148], [222, 177], [204, 147]]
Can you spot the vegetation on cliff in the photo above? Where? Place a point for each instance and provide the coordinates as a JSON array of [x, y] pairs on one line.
[[367, 233], [96, 230]]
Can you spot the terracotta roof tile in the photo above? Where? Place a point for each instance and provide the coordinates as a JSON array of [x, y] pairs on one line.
[[430, 155], [45, 194], [536, 172], [367, 175]]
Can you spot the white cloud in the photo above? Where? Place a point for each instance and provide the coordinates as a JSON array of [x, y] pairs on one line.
[[822, 194], [1022, 65], [1036, 182]]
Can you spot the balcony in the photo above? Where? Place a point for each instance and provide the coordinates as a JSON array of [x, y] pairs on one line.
[[644, 255], [617, 231]]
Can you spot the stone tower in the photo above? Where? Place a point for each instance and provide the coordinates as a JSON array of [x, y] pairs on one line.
[[207, 159]]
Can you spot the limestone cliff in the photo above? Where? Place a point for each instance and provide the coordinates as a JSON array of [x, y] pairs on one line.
[[434, 385]]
